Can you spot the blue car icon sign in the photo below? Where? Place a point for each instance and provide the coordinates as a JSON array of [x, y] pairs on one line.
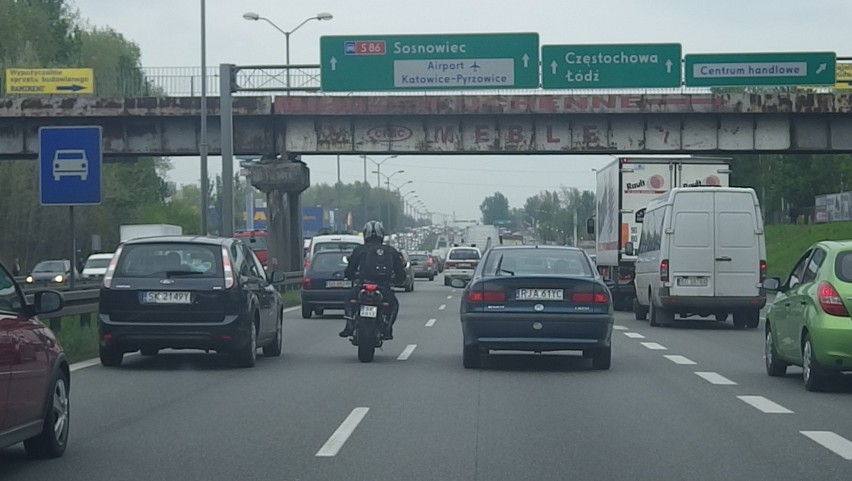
[[70, 163]]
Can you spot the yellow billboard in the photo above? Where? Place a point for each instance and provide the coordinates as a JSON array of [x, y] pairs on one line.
[[50, 81], [844, 76]]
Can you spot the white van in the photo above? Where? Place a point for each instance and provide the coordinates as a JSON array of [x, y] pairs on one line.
[[337, 242], [702, 252]]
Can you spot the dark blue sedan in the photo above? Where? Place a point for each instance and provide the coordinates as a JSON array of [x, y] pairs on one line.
[[323, 285], [537, 298]]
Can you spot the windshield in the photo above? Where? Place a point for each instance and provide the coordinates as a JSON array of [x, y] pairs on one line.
[[156, 260], [464, 254], [51, 266], [97, 263], [537, 262]]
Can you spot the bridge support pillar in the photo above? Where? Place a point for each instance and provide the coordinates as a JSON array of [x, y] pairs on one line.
[[283, 182]]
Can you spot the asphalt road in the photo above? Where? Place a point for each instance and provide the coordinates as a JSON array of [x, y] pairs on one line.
[[316, 413]]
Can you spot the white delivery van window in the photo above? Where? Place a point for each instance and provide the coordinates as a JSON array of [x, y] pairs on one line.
[[692, 229], [736, 229]]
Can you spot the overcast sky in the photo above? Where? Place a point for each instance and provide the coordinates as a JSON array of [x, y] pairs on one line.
[[168, 33]]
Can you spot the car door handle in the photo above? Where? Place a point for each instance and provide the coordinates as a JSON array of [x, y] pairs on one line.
[[723, 259]]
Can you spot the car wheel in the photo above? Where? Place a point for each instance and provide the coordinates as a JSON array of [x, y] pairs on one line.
[[775, 367], [110, 357], [740, 319], [53, 439], [471, 357], [319, 312], [721, 316], [149, 351], [446, 281], [812, 374], [602, 358], [307, 311], [247, 356], [274, 349], [640, 312], [653, 313], [431, 278], [409, 287], [753, 318]]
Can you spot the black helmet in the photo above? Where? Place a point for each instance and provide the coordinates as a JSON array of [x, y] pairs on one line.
[[374, 230]]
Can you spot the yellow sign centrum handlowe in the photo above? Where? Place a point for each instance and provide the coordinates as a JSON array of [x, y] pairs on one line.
[[50, 81]]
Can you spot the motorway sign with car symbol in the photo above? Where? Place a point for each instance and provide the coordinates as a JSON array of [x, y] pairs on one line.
[[70, 160]]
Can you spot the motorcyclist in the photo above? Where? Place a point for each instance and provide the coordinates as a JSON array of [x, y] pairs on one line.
[[382, 275]]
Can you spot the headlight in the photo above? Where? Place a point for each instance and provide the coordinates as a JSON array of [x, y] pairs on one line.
[[29, 279], [58, 278]]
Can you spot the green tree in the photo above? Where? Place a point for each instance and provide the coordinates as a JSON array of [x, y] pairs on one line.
[[494, 208]]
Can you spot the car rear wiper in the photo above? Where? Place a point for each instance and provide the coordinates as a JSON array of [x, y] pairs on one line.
[[500, 269]]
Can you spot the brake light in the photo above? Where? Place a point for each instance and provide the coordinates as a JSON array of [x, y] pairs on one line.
[[230, 275], [487, 296], [449, 265], [111, 269], [589, 298], [762, 271], [664, 270], [830, 300], [430, 261], [307, 263], [371, 287], [306, 283], [625, 276]]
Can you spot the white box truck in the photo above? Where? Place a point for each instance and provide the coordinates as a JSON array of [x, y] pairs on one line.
[[482, 237], [133, 231], [624, 188]]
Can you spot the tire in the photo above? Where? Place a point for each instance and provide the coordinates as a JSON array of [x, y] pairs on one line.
[[753, 319], [307, 311], [274, 349], [367, 342], [53, 439], [640, 312], [813, 376], [740, 319], [653, 313], [110, 357], [446, 281], [431, 278], [319, 312], [149, 351], [721, 316], [471, 357], [660, 317], [602, 359], [775, 367], [247, 356]]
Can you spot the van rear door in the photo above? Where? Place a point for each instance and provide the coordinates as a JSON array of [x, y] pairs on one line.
[[691, 254], [737, 245]]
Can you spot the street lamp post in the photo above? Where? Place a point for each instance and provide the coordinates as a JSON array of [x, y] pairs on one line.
[[378, 170], [320, 16], [202, 147]]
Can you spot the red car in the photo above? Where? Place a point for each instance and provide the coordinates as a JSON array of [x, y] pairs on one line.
[[34, 374], [256, 241]]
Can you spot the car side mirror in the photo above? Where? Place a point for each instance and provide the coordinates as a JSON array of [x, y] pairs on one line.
[[628, 249], [456, 282], [278, 277], [46, 302], [772, 284]]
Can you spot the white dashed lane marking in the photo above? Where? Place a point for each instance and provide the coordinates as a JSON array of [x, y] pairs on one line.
[[716, 378], [406, 353], [442, 307], [654, 346], [430, 322], [634, 335], [679, 359], [339, 437], [619, 327], [763, 404], [833, 442]]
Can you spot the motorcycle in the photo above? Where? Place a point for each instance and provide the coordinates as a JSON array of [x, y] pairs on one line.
[[370, 321]]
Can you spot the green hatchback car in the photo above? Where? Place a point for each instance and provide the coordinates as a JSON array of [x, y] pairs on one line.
[[809, 324]]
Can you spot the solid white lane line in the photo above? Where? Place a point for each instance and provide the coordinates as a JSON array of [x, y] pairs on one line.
[[453, 290], [833, 442], [291, 309], [654, 346], [406, 353], [679, 359], [765, 405], [618, 327], [443, 306], [634, 335], [336, 441], [449, 297], [430, 322], [716, 378], [84, 364]]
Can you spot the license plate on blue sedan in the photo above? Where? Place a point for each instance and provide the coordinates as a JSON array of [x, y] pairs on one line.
[[539, 294], [369, 311], [338, 284], [166, 297]]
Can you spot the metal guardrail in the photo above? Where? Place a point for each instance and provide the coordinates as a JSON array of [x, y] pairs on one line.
[[85, 299]]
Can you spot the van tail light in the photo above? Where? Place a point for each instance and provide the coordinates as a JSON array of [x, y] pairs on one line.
[[306, 283], [762, 271], [487, 296], [230, 275], [830, 300], [307, 264], [664, 270], [449, 265], [111, 269]]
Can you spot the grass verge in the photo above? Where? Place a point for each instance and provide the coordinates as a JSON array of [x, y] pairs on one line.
[[79, 342], [785, 243]]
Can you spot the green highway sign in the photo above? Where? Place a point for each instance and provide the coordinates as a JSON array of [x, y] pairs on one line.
[[743, 69], [428, 62], [610, 66]]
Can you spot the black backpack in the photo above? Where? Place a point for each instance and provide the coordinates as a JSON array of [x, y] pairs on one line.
[[378, 264]]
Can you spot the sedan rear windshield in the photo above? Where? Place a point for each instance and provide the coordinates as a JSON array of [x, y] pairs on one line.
[[843, 266], [256, 243], [419, 257], [464, 254], [537, 262], [335, 246], [328, 262], [159, 260]]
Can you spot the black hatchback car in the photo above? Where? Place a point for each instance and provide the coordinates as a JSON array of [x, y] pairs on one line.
[[536, 298], [185, 292], [323, 285]]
